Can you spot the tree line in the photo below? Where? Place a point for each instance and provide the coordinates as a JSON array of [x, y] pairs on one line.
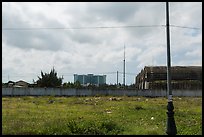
[[52, 80]]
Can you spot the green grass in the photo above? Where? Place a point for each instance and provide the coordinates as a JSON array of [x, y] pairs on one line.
[[98, 115]]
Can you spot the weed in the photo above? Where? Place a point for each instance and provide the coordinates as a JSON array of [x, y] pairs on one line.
[[93, 128], [138, 107]]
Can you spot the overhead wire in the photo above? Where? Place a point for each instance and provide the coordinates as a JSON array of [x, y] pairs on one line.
[[65, 28], [185, 27], [102, 27]]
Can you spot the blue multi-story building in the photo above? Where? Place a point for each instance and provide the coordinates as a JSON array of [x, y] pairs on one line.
[[90, 79]]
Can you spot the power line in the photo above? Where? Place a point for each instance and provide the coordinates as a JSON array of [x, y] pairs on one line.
[[79, 28], [64, 28], [102, 27], [128, 73], [184, 27]]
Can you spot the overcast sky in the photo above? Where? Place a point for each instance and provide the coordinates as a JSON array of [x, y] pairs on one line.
[[96, 50]]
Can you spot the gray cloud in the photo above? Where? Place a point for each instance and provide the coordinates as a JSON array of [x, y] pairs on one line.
[[120, 11], [28, 39]]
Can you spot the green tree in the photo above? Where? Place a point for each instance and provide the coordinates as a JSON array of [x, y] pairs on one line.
[[68, 85], [49, 79]]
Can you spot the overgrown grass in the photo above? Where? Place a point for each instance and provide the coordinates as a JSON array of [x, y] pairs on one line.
[[103, 115]]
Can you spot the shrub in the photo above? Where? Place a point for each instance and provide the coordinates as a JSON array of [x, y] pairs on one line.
[[107, 127]]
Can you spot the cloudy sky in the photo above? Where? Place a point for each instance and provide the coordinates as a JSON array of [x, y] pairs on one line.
[[68, 36]]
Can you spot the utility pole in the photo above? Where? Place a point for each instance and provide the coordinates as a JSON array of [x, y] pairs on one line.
[[124, 68], [117, 78], [171, 125]]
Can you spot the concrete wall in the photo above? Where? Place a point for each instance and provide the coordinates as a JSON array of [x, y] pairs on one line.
[[88, 92]]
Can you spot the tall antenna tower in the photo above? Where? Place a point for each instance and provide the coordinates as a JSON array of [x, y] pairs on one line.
[[124, 67]]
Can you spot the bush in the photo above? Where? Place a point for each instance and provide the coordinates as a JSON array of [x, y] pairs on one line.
[[107, 127]]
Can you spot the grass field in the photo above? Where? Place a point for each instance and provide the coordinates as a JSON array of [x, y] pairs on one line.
[[105, 115]]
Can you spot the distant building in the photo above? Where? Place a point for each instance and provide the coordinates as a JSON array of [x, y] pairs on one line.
[[21, 83], [17, 84], [10, 84], [182, 77], [90, 79]]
